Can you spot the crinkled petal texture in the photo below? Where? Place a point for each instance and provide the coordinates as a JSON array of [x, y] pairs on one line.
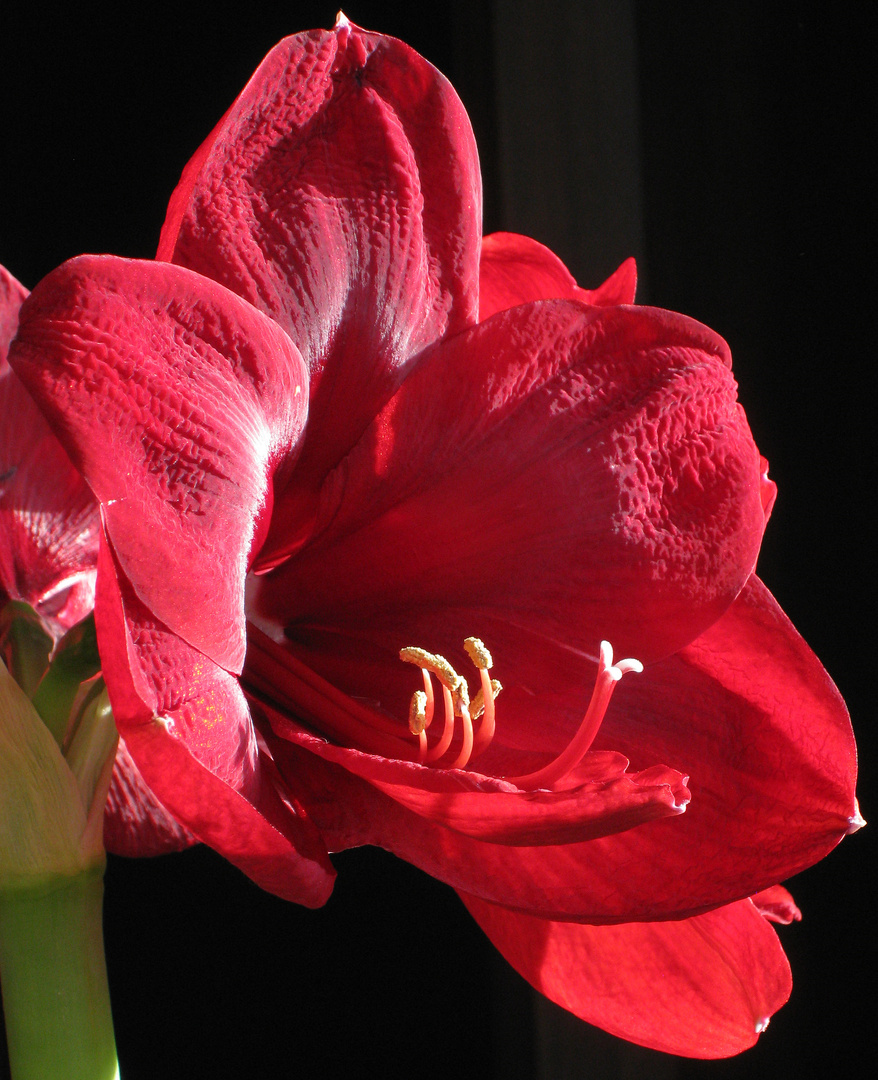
[[516, 270], [48, 516], [747, 710], [341, 195], [704, 987], [576, 472], [556, 475], [179, 401]]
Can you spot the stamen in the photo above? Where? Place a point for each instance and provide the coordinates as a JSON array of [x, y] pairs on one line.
[[461, 709], [448, 731], [484, 699], [273, 674], [477, 705], [608, 675], [418, 712], [428, 691], [478, 653], [456, 696], [418, 722], [484, 703], [438, 665]]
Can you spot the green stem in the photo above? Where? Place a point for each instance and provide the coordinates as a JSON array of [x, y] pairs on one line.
[[55, 993]]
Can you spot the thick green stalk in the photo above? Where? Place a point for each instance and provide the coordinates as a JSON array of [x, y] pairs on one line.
[[55, 994]]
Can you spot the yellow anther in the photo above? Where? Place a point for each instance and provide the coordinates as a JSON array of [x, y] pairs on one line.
[[477, 652], [433, 663], [461, 698], [418, 712], [478, 703]]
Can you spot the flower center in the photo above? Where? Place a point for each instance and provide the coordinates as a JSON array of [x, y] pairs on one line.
[[273, 673]]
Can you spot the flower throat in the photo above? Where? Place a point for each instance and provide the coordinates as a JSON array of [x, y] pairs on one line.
[[279, 678]]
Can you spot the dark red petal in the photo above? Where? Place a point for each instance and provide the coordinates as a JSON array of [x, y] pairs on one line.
[[135, 822], [176, 399], [777, 905], [703, 988], [517, 270], [581, 472], [601, 797], [48, 516], [341, 195], [188, 728]]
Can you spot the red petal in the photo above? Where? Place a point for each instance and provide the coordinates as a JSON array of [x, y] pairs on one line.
[[583, 472], [603, 798], [48, 516], [135, 822], [341, 195], [187, 726], [704, 988], [749, 713], [516, 270], [12, 296], [176, 399], [777, 905]]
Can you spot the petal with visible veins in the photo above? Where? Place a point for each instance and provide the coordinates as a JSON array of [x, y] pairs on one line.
[[705, 987], [583, 471], [177, 400], [341, 195]]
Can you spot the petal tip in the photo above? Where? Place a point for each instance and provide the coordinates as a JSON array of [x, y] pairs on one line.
[[856, 821]]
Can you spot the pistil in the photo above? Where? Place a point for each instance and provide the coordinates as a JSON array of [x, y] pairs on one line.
[[608, 675]]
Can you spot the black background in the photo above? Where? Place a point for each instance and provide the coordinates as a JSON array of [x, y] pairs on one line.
[[756, 135]]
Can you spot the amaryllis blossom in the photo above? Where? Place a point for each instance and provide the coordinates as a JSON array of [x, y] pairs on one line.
[[335, 436]]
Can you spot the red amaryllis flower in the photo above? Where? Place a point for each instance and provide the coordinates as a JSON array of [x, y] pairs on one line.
[[315, 446]]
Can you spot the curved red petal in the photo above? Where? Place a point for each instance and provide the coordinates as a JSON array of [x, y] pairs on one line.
[[48, 516], [176, 400], [602, 798], [517, 270], [341, 195], [188, 728], [135, 822], [12, 296], [777, 905], [585, 472], [749, 713], [704, 988]]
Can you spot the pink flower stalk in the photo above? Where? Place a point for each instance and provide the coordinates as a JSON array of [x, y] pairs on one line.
[[332, 424]]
